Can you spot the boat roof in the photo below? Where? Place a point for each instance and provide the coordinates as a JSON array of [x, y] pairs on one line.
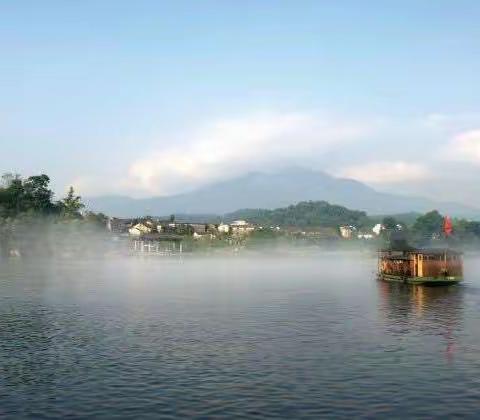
[[436, 251], [397, 257], [423, 251]]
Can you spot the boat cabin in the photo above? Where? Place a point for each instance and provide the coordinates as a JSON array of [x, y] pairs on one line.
[[420, 265]]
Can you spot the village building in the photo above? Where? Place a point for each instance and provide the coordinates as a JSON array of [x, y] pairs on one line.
[[223, 228], [241, 227], [140, 229], [377, 229], [346, 232], [119, 226], [199, 228]]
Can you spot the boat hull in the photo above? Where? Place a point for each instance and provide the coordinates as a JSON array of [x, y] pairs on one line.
[[434, 281]]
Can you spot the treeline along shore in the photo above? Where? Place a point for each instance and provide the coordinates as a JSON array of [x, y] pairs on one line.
[[33, 223]]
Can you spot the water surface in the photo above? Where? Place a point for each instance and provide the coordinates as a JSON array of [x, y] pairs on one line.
[[236, 337]]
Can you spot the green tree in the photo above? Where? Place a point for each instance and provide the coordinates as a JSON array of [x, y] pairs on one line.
[[98, 219], [72, 205], [389, 223], [11, 194], [37, 197], [467, 230], [31, 195], [428, 226], [304, 214]]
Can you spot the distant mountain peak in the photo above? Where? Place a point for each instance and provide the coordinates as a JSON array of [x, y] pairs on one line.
[[284, 187]]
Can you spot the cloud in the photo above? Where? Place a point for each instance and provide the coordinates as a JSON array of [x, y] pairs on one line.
[[385, 172], [463, 147], [232, 146], [90, 185], [449, 122], [379, 150]]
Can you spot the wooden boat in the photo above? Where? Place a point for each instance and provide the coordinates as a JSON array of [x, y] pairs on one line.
[[420, 266]]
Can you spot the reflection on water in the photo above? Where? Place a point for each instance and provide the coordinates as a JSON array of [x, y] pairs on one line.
[[423, 309], [312, 337]]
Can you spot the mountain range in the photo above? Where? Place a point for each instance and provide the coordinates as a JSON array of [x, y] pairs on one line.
[[273, 190]]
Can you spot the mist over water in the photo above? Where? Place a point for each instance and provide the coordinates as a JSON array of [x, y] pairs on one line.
[[234, 337]]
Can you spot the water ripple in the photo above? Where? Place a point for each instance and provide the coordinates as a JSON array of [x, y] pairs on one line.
[[304, 338]]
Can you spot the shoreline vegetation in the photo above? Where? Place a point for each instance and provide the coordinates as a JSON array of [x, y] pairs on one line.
[[33, 224]]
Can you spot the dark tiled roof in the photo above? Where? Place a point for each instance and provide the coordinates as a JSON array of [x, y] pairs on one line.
[[437, 251], [424, 251], [159, 237]]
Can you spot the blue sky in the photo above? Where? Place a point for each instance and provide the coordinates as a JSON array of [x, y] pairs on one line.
[[152, 97]]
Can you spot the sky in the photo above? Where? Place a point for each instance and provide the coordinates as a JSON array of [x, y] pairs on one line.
[[155, 98]]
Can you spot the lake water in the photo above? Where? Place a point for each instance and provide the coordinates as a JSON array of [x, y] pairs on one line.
[[237, 337]]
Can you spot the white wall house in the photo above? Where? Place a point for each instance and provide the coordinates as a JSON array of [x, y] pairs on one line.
[[139, 229], [346, 232], [241, 226], [377, 229], [223, 228]]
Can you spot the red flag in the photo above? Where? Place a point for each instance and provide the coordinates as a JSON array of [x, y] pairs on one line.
[[447, 226]]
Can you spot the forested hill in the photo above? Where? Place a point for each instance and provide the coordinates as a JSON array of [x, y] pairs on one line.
[[306, 213]]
